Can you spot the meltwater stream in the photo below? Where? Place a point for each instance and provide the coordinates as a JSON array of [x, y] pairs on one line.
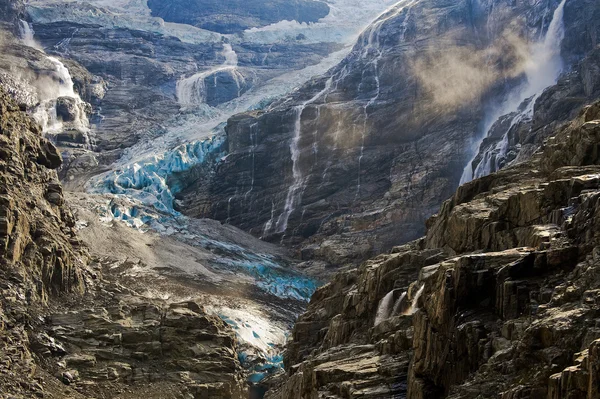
[[542, 71]]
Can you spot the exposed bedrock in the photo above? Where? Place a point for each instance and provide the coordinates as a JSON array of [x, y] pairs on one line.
[[69, 328], [355, 161], [135, 64], [502, 293], [515, 136]]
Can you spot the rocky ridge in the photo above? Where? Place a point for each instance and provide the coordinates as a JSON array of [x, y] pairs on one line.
[[497, 300]]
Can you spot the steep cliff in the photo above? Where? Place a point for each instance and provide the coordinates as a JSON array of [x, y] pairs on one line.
[[356, 160], [39, 251], [499, 299]]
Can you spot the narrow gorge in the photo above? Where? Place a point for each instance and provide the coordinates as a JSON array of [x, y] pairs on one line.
[[300, 199]]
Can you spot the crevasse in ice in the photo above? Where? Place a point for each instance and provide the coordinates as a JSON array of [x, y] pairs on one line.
[[146, 179]]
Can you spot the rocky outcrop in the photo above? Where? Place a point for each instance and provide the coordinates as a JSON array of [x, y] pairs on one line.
[[501, 302], [132, 341], [355, 161], [38, 240], [237, 16], [57, 342], [39, 251]]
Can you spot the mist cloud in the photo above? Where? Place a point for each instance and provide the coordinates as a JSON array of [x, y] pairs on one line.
[[452, 75]]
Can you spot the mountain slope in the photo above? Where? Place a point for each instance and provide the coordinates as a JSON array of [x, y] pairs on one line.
[[355, 161], [498, 300]]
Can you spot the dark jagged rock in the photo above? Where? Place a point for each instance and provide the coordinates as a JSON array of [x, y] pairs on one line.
[[39, 251], [236, 16], [108, 341], [504, 302]]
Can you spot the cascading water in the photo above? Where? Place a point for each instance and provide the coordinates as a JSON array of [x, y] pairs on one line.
[[398, 305], [385, 305], [388, 307], [192, 91], [372, 44], [46, 113], [415, 302], [295, 190], [27, 34], [253, 144], [49, 93], [542, 71]]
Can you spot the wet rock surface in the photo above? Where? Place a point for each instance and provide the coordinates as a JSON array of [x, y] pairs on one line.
[[355, 161], [501, 289]]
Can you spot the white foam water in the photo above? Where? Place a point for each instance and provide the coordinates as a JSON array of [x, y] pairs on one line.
[[542, 70]]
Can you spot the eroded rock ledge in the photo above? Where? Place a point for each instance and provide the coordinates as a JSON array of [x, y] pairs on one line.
[[501, 294], [69, 325]]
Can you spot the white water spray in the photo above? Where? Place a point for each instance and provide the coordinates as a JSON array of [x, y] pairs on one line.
[[27, 34], [372, 44], [415, 302], [49, 92], [385, 305], [542, 71]]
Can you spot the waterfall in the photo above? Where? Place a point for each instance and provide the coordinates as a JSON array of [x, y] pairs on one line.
[[192, 91], [415, 302], [27, 34], [295, 190], [542, 71], [398, 305], [370, 36], [388, 307], [253, 145], [231, 57], [46, 113], [49, 94], [384, 308], [372, 44]]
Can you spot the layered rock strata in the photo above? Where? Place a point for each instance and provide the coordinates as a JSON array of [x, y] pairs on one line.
[[497, 300], [72, 330]]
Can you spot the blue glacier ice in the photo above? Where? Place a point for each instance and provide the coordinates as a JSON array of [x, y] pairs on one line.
[[146, 180]]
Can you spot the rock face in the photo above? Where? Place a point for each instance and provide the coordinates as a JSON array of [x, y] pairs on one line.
[[11, 11], [132, 342], [128, 66], [355, 161], [515, 136], [503, 297], [111, 339], [39, 251], [38, 241], [237, 16]]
